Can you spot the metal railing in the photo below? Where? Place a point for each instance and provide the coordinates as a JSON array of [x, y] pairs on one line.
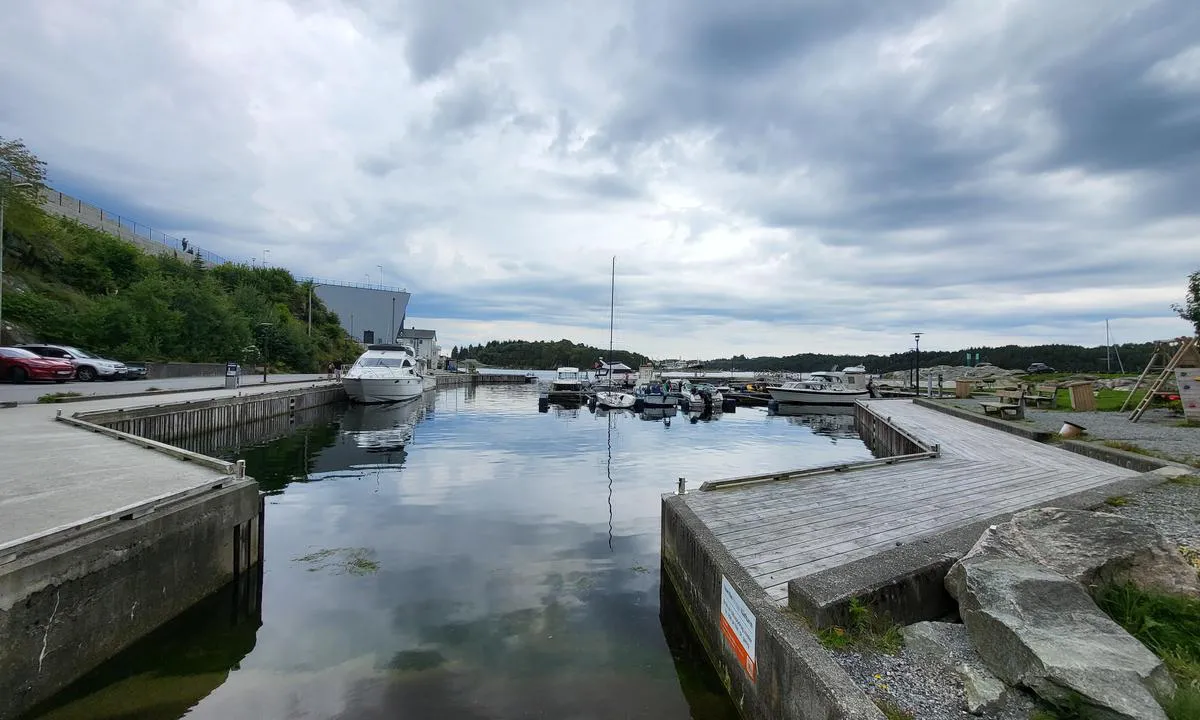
[[341, 283]]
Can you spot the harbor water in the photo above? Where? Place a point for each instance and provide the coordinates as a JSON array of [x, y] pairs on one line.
[[459, 557]]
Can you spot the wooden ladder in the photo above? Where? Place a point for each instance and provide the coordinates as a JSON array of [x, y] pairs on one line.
[[1186, 347]]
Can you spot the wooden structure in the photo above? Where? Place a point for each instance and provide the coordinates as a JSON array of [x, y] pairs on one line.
[[1083, 396], [1172, 354], [792, 528]]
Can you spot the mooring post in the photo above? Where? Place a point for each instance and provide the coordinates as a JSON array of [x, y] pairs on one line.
[[682, 486], [241, 469]]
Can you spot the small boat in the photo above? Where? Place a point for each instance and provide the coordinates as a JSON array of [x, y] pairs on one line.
[[824, 388], [683, 394], [654, 395], [615, 400], [710, 396], [567, 385], [387, 373]]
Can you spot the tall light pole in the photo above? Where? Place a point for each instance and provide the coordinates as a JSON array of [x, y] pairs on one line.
[[3, 199], [380, 275], [917, 366], [265, 326], [264, 256], [311, 285]]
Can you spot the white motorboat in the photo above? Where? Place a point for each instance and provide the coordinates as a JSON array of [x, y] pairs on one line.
[[684, 395], [567, 385], [387, 373], [615, 400], [824, 388], [654, 395]]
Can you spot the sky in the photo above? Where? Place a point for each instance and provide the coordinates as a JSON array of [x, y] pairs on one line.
[[771, 177]]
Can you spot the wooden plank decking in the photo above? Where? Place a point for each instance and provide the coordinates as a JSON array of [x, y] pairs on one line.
[[788, 529]]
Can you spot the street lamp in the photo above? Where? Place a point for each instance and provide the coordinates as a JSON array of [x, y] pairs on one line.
[[917, 367], [266, 347], [311, 285], [380, 275], [3, 200]]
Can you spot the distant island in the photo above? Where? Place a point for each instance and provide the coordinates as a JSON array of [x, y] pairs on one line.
[[1064, 358]]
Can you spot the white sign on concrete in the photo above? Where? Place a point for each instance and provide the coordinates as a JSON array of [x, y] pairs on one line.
[[738, 625], [1188, 380]]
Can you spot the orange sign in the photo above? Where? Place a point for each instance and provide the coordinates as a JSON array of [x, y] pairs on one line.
[[738, 626]]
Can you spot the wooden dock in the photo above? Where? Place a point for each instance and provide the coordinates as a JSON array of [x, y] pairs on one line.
[[792, 528]]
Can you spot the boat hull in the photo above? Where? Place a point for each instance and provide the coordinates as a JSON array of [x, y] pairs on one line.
[[816, 397], [385, 390], [615, 400]]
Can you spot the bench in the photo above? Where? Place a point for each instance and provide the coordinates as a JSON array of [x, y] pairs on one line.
[[1003, 409], [1043, 393]]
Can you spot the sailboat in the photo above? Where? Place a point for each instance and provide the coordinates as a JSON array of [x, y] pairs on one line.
[[611, 398]]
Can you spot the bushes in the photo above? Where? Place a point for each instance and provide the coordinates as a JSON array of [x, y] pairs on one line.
[[82, 287]]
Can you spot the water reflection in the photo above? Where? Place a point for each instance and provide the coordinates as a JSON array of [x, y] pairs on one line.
[[466, 557], [835, 422]]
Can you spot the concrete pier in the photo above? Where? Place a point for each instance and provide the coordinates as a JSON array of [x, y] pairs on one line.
[[104, 536], [750, 557]]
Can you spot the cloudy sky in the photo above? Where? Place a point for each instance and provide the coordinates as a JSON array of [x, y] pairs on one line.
[[773, 177]]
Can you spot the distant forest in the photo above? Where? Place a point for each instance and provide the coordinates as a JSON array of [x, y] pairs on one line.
[[542, 354], [1064, 358]]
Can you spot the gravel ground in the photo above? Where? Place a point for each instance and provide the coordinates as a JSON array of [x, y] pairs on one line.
[[1172, 508], [1158, 430], [929, 693]]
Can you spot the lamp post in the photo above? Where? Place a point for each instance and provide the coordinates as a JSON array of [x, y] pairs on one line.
[[311, 285], [393, 330], [3, 200], [380, 275], [266, 347], [264, 256], [917, 366]]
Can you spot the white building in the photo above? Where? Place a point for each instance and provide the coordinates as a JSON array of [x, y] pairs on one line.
[[424, 342]]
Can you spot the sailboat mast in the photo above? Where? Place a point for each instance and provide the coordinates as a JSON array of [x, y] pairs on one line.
[[612, 304], [1107, 345]]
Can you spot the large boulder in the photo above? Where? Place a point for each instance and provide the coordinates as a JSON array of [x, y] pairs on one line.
[[1092, 548], [1034, 627]]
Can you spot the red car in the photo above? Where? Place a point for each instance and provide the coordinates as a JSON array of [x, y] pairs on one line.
[[17, 365]]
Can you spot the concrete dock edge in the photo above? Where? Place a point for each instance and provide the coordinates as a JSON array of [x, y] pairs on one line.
[[796, 677]]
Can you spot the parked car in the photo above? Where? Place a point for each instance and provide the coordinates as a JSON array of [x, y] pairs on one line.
[[18, 365], [1038, 368], [88, 367]]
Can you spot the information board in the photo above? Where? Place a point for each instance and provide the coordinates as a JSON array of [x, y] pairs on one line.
[[1188, 380], [738, 625]]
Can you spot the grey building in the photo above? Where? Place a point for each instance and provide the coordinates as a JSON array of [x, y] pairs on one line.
[[424, 342], [368, 313]]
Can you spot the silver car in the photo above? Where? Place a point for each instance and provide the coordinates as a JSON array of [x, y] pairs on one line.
[[88, 367]]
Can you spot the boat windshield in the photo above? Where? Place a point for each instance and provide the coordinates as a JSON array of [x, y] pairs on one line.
[[384, 362]]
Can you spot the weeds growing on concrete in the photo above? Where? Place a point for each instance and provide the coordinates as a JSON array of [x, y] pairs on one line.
[[55, 397], [1193, 480], [866, 629], [1170, 626], [1126, 446], [892, 711], [1116, 501]]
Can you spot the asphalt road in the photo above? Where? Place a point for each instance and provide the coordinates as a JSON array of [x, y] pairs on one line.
[[31, 391]]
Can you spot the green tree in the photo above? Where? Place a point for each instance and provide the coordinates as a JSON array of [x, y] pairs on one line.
[[1190, 309], [22, 176]]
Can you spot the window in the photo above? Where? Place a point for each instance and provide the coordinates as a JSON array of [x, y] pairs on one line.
[[16, 353], [384, 362]]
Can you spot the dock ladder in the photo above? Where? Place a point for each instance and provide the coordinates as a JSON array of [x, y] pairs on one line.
[[1186, 349]]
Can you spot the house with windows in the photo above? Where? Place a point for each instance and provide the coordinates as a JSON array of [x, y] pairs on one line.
[[424, 342]]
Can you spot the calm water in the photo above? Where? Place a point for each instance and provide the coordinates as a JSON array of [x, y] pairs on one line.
[[460, 558]]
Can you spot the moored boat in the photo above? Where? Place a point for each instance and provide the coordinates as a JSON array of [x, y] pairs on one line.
[[387, 373], [654, 394], [824, 388], [615, 400], [567, 386]]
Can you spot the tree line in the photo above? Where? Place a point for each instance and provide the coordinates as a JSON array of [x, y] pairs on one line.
[[544, 355]]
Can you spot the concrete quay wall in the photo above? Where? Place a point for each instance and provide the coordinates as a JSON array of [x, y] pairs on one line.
[[794, 677], [67, 607]]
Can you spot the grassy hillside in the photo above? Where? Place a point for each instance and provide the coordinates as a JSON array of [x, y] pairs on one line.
[[71, 284]]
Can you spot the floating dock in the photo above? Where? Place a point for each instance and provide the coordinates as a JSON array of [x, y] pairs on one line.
[[742, 551]]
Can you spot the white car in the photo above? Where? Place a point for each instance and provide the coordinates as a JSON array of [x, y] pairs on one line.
[[88, 367]]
